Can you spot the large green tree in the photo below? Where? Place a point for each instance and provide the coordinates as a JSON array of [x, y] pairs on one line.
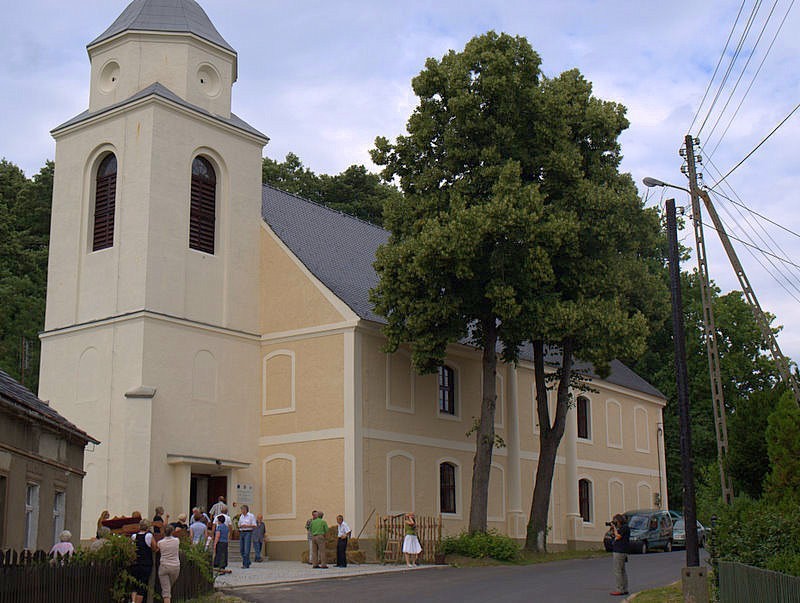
[[466, 258], [24, 236], [515, 225], [355, 191], [607, 288]]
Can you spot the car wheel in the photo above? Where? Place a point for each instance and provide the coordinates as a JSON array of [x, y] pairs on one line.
[[644, 548], [668, 547]]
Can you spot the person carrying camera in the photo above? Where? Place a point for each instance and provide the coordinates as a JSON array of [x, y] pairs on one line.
[[619, 549]]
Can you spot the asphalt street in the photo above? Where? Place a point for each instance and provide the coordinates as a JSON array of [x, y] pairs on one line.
[[574, 581]]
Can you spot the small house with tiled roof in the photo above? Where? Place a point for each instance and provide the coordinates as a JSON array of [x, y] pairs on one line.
[[41, 470], [217, 334]]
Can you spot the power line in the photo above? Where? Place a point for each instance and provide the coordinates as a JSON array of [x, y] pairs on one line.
[[732, 62], [749, 245], [789, 274], [754, 212], [744, 70], [752, 81], [746, 157], [719, 62]]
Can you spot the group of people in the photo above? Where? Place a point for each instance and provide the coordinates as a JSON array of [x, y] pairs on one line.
[[214, 529], [157, 543], [317, 528]]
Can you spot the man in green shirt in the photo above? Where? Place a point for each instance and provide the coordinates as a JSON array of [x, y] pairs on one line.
[[319, 527]]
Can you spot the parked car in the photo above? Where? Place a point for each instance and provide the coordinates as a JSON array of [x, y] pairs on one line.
[[679, 534], [676, 515], [650, 529]]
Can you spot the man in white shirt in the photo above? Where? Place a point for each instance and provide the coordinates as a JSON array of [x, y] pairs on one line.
[[224, 513], [217, 507], [341, 543], [247, 523]]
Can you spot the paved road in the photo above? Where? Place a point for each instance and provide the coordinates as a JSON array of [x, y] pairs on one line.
[[575, 581]]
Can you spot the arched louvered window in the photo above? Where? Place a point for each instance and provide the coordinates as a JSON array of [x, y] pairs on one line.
[[202, 215], [105, 192]]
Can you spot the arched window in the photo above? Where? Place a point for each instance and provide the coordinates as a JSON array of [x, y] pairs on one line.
[[447, 488], [585, 499], [202, 215], [105, 192], [447, 390], [584, 418]]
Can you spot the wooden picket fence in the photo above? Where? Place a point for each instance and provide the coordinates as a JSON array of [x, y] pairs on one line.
[[390, 531], [27, 577]]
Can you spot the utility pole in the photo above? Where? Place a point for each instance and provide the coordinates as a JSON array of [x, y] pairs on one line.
[[682, 382], [709, 328]]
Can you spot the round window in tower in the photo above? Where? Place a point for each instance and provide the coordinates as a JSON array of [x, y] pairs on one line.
[[109, 76], [208, 79]]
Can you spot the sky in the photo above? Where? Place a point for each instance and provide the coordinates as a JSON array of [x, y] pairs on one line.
[[322, 79]]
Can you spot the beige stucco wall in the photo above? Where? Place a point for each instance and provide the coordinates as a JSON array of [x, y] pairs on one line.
[[403, 429], [124, 65], [291, 298]]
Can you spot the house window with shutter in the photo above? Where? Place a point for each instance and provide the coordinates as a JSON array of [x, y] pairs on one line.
[[202, 214], [105, 192]]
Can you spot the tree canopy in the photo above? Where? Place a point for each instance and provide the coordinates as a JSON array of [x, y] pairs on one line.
[[355, 191], [515, 226], [24, 236]]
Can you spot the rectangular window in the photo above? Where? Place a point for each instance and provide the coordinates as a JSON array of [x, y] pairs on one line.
[[584, 431], [31, 516], [447, 488], [447, 390], [585, 499], [59, 507]]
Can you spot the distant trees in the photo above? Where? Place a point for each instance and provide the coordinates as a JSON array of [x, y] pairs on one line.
[[24, 238], [355, 191], [750, 383]]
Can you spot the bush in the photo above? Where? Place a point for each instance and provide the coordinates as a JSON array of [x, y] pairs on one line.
[[761, 534], [482, 545]]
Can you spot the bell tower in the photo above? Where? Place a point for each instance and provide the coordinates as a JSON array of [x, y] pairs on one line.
[[150, 337]]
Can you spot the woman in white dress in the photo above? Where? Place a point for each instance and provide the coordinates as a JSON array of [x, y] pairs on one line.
[[411, 546]]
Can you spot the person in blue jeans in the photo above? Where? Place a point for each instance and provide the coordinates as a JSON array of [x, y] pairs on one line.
[[247, 523], [221, 544]]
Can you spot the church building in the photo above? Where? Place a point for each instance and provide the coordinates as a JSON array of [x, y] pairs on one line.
[[216, 335]]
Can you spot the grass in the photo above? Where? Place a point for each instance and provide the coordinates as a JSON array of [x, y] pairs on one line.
[[667, 594], [527, 558], [217, 598]]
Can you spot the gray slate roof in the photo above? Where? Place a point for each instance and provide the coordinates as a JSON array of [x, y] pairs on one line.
[[16, 395], [339, 250], [157, 89], [179, 16]]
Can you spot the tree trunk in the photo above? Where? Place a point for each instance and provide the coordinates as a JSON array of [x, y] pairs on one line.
[[484, 443], [549, 439]]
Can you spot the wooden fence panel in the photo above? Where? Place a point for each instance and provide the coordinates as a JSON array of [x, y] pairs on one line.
[[390, 533]]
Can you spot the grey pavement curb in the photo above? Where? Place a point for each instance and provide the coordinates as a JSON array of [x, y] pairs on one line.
[[271, 583]]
